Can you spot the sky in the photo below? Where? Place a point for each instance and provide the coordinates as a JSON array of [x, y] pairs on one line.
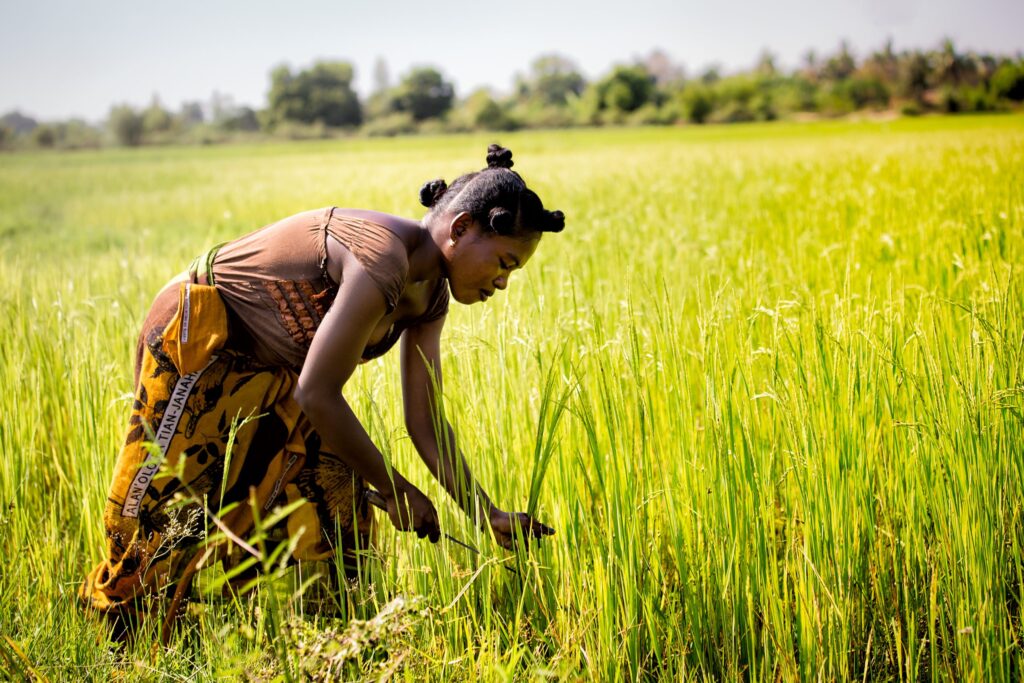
[[70, 58]]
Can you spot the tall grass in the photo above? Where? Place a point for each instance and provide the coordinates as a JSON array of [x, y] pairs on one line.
[[767, 386]]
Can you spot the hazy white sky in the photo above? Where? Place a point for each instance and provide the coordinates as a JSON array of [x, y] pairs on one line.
[[62, 58]]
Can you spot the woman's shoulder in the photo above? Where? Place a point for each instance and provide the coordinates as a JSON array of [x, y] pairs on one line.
[[380, 242], [406, 230]]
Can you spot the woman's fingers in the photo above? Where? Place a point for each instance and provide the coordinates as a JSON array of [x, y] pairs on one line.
[[537, 529], [510, 528], [429, 528], [411, 510]]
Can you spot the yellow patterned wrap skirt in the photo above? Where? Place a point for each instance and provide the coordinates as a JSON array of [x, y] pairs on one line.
[[218, 437]]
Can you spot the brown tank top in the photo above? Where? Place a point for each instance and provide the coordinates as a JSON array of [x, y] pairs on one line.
[[277, 289]]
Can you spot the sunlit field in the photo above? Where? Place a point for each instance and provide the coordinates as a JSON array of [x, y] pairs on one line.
[[768, 387]]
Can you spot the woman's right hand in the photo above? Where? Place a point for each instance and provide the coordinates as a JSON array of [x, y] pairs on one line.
[[410, 510]]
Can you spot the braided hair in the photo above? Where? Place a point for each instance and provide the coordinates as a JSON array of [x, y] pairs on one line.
[[496, 197]]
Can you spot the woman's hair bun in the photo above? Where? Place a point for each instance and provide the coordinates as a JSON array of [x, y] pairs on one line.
[[555, 221], [501, 220], [432, 191], [498, 157]]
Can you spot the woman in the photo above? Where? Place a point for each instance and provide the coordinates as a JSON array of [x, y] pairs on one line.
[[239, 374]]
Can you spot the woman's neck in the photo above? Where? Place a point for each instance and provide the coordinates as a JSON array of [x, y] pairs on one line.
[[426, 260]]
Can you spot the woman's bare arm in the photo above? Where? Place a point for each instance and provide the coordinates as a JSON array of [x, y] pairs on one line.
[[434, 437], [335, 351], [424, 416]]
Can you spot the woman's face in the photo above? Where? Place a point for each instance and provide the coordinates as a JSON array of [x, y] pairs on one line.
[[479, 263]]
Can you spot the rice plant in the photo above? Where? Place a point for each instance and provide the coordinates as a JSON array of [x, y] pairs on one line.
[[767, 387]]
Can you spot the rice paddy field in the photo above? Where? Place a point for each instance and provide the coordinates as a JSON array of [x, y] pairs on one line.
[[768, 387]]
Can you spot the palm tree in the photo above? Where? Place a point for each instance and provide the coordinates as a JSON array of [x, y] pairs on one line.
[[950, 67], [841, 66], [914, 72], [883, 64]]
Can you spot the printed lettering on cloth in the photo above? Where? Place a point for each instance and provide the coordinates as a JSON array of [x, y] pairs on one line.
[[164, 433], [155, 517]]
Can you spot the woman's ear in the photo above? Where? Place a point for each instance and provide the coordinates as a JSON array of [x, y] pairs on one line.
[[460, 225]]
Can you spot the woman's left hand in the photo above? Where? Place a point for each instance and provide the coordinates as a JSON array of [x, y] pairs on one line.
[[512, 527]]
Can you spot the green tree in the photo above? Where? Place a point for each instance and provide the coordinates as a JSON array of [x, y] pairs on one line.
[[190, 114], [125, 124], [1008, 81], [698, 102], [882, 65], [766, 67], [913, 79], [239, 119], [553, 80], [423, 93], [77, 134], [737, 100], [666, 73], [625, 89], [869, 92], [951, 68], [794, 94], [482, 112], [156, 119], [840, 66], [321, 94], [711, 75], [44, 135], [809, 70]]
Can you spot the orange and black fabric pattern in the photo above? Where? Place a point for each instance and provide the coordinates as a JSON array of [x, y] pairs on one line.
[[174, 472]]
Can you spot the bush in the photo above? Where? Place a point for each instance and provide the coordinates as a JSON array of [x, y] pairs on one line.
[[835, 100], [480, 111], [612, 117], [586, 109], [293, 130], [852, 94], [77, 134], [433, 127], [911, 108], [793, 95], [650, 115], [1008, 81], [241, 119], [672, 110], [698, 101], [977, 99], [949, 101], [44, 136], [763, 107], [539, 116], [156, 120], [867, 92], [399, 123], [203, 134], [732, 112]]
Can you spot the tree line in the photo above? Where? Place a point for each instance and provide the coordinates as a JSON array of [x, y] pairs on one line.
[[319, 101]]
